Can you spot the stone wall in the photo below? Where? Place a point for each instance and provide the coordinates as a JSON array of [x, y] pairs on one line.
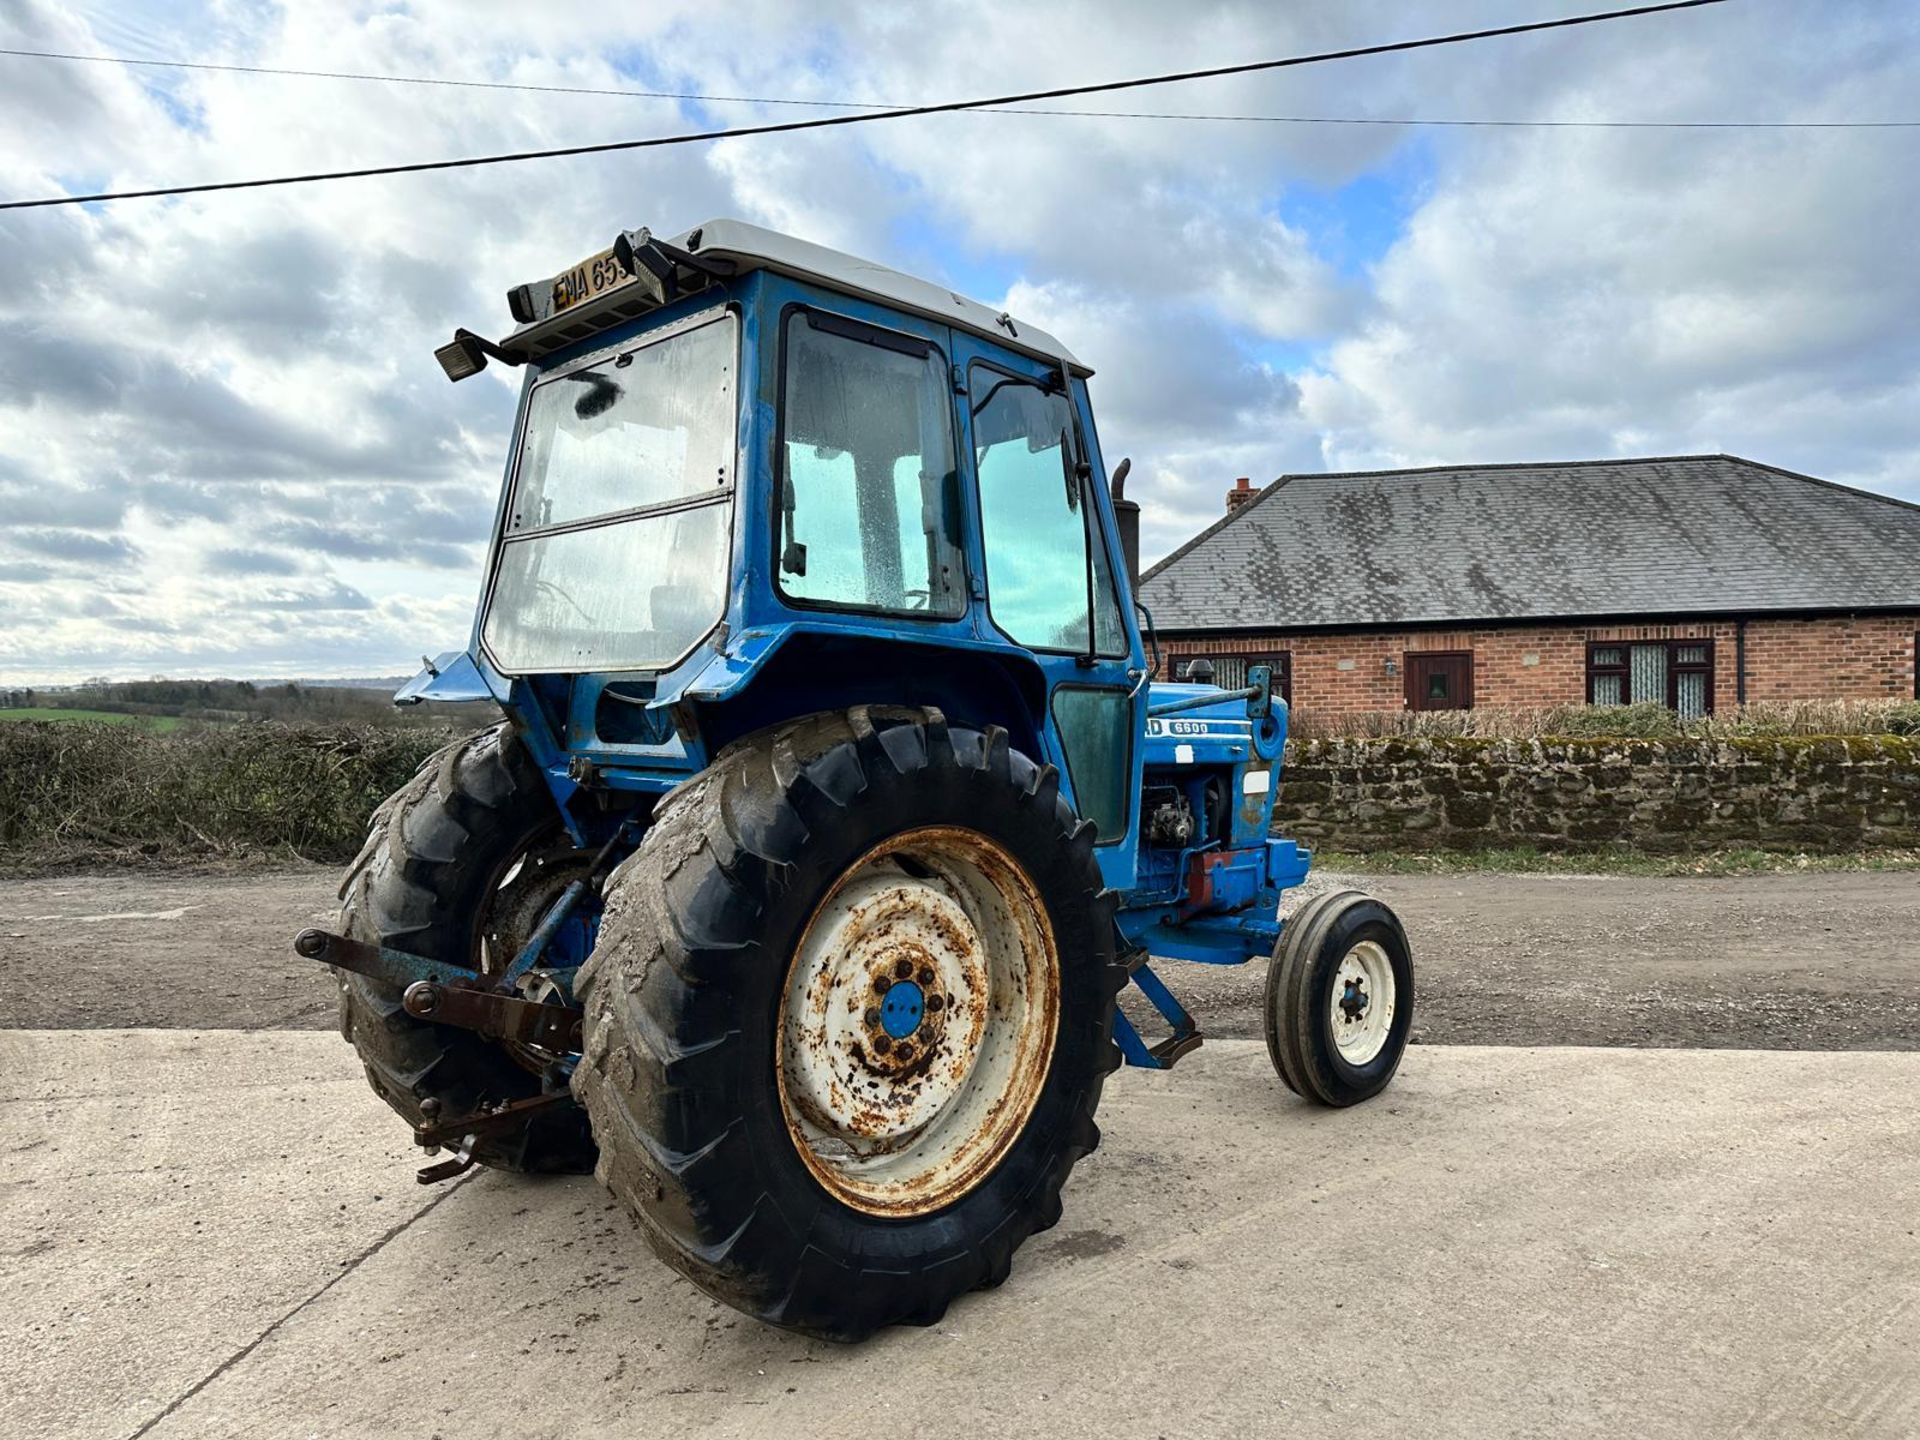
[[1793, 793]]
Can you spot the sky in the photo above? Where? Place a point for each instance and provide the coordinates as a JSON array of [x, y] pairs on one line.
[[225, 448]]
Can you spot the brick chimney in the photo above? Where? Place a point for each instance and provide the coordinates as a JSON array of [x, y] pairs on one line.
[[1240, 494]]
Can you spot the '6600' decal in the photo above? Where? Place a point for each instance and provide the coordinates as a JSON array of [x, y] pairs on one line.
[[1228, 730]]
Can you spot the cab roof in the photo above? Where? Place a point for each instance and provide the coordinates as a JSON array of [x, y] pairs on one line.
[[733, 247], [752, 247]]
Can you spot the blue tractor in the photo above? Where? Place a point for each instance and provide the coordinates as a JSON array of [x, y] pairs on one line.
[[834, 805]]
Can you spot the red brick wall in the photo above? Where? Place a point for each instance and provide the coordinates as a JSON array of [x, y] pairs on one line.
[[1862, 658]]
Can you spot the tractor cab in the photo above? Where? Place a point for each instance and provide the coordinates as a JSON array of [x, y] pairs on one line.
[[834, 806], [752, 478]]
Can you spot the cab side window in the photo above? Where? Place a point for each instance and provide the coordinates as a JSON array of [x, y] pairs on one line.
[[868, 492], [1037, 518]]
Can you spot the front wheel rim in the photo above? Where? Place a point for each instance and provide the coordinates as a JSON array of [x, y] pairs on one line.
[[917, 1024], [1362, 1004]]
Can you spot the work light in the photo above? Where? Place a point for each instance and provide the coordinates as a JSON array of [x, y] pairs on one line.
[[461, 356]]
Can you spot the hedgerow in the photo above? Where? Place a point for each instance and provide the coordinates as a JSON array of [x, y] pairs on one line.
[[92, 791]]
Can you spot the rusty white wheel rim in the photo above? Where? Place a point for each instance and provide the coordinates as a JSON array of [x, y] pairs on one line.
[[917, 1025], [1363, 1002]]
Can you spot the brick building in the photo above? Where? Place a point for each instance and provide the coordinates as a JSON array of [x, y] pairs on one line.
[[1700, 581]]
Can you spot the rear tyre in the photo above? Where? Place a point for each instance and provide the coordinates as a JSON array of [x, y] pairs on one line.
[[458, 862], [1339, 1001], [849, 1017]]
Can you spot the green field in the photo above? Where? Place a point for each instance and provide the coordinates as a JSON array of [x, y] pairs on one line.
[[158, 724]]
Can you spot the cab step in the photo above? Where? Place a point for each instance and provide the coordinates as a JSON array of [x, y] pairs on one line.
[[1165, 1053]]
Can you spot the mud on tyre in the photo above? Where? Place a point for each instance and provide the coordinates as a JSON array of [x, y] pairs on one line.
[[455, 863], [790, 1056]]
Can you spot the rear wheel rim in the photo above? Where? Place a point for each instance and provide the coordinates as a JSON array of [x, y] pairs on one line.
[[1362, 1004], [517, 897], [918, 1020]]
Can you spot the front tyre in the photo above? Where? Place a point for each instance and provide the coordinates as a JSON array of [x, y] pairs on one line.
[[848, 1019], [1339, 1000]]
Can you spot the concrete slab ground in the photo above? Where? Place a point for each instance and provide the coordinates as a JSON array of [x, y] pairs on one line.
[[217, 1234]]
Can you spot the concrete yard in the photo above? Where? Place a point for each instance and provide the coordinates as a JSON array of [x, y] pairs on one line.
[[210, 1234]]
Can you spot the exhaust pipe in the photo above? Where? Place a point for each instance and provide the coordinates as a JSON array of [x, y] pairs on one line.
[[1126, 515]]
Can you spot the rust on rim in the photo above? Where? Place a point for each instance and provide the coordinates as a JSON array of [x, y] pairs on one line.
[[917, 1023]]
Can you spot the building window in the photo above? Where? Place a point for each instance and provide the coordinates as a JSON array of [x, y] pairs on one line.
[[1674, 673], [1230, 671]]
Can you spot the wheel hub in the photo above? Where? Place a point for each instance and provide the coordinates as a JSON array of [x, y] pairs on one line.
[[1353, 1000], [902, 1009], [1363, 1003], [905, 1018]]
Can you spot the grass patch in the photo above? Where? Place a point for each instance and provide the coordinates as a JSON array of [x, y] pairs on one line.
[[1525, 860], [157, 724]]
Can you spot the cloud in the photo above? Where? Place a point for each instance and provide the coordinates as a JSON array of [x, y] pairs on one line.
[[250, 561], [1589, 293], [219, 416], [80, 545]]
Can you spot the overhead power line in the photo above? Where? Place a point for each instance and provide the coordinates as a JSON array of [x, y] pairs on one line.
[[708, 99], [866, 116]]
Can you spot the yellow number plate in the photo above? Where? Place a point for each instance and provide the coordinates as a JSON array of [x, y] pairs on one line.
[[592, 277]]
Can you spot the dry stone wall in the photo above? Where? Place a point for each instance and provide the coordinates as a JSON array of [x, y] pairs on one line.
[[1791, 793]]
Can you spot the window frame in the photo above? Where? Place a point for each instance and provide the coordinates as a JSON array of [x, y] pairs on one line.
[[1280, 662], [726, 495], [848, 327], [1093, 524], [1675, 668], [633, 345]]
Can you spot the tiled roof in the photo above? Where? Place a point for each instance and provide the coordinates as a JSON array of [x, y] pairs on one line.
[[1698, 533]]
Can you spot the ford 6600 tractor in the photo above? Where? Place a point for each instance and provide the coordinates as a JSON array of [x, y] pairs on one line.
[[834, 804]]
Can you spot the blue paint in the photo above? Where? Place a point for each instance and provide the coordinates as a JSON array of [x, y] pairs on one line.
[[901, 1008]]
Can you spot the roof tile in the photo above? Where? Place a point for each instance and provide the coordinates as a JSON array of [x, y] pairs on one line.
[[1700, 533]]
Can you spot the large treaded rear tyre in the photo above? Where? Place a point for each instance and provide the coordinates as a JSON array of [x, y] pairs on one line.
[[436, 854], [682, 1070]]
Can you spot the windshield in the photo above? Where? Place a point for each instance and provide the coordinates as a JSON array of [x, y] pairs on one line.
[[614, 553]]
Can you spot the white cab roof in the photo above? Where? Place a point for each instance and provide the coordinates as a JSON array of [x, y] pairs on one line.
[[754, 248]]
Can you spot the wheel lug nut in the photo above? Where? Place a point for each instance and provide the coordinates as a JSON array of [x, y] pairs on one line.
[[903, 1051], [871, 1018], [925, 977], [881, 1044], [936, 1002], [902, 969]]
